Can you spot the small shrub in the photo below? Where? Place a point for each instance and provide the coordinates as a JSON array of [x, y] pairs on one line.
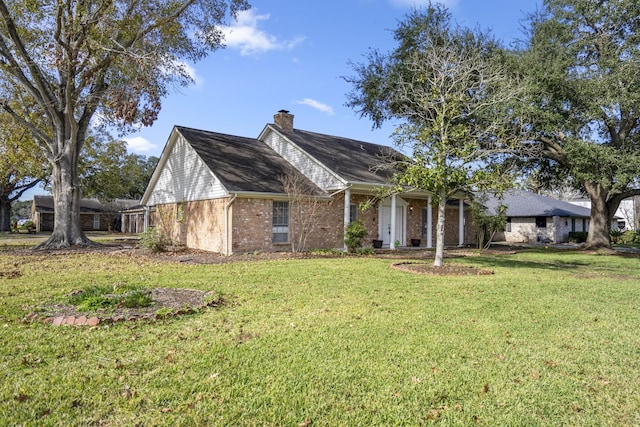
[[136, 298], [96, 302], [103, 297], [355, 234], [615, 235], [630, 237], [365, 251], [79, 297], [578, 236], [153, 240]]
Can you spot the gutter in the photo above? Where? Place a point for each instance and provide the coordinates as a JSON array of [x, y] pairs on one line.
[[226, 223]]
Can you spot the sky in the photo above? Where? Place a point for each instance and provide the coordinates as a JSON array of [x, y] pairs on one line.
[[293, 55]]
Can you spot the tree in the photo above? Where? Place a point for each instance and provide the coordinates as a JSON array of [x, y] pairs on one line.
[[581, 64], [75, 60], [22, 167], [305, 208], [107, 172], [446, 85], [488, 222]]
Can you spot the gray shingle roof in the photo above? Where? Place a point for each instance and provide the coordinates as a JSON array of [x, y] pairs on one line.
[[521, 203], [352, 160], [242, 164], [45, 204]]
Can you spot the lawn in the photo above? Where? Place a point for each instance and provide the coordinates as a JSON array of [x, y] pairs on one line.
[[550, 339]]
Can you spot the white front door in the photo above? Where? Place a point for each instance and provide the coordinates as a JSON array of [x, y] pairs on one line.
[[385, 225]]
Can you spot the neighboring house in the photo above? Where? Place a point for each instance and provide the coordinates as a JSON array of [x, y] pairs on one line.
[[133, 219], [534, 218], [227, 194], [94, 216], [627, 215]]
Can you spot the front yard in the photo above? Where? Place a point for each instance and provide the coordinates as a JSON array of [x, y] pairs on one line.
[[550, 339]]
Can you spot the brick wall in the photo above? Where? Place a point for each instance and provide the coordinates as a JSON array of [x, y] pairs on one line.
[[320, 221], [451, 226], [45, 222], [201, 224]]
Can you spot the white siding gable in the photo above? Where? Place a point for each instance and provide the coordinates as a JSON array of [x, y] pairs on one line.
[[185, 177], [302, 161]]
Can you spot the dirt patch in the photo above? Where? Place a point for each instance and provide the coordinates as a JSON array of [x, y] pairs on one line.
[[445, 270], [166, 302]]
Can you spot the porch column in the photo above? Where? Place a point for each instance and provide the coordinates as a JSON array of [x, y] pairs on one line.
[[429, 223], [460, 222], [392, 235], [145, 221], [347, 210]]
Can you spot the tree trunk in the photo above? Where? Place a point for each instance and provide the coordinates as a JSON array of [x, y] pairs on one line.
[[67, 230], [442, 205], [5, 213], [600, 220]]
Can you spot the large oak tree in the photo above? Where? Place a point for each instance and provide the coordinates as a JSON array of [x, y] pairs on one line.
[[582, 67], [76, 60]]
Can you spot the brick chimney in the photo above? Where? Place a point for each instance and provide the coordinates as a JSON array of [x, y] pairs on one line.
[[284, 120]]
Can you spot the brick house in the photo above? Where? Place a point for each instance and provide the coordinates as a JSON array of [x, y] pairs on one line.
[[94, 216], [232, 194], [535, 218]]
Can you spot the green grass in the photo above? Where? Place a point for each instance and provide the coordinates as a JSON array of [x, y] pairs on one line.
[[550, 339]]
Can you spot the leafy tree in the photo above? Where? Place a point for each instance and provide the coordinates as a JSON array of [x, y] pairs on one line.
[[74, 60], [581, 65], [107, 172], [488, 222], [446, 85], [22, 166]]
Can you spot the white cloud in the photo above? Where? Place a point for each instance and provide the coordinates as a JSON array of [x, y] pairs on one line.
[[418, 3], [317, 105], [245, 35], [139, 144]]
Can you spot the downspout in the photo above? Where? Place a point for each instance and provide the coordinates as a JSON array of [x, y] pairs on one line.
[[226, 223]]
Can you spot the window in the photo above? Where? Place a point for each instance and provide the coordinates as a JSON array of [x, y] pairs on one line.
[[541, 221], [508, 225], [280, 225], [353, 212], [96, 221]]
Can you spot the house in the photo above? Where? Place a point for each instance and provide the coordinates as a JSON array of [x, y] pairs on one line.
[[627, 215], [228, 194], [534, 218], [94, 216], [132, 219]]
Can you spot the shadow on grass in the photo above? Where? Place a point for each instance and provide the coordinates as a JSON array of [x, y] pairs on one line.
[[507, 261]]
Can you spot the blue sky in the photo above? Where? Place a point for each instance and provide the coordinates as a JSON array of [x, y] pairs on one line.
[[292, 55]]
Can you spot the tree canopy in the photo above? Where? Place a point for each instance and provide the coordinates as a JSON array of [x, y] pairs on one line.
[[22, 166], [447, 86], [108, 172], [581, 65], [75, 61]]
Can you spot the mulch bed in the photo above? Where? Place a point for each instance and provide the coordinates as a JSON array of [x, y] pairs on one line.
[[445, 270], [167, 302]]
